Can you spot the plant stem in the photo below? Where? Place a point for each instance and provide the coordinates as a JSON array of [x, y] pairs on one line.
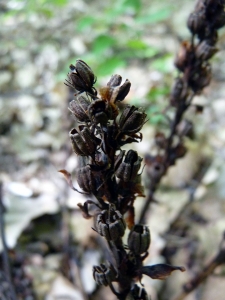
[[219, 259]]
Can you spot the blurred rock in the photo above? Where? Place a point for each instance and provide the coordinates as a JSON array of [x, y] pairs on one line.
[[63, 289]]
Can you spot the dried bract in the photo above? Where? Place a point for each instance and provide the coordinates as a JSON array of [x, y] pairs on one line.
[[182, 58], [160, 271]]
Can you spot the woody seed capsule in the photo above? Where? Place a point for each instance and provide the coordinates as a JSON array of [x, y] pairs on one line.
[[85, 72], [81, 78], [177, 92], [123, 90], [205, 51], [132, 119], [139, 239], [128, 169], [114, 81], [79, 107], [197, 22], [99, 112], [110, 224], [83, 142], [104, 275]]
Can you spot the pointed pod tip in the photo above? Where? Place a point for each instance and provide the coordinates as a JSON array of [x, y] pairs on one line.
[[64, 172], [182, 269]]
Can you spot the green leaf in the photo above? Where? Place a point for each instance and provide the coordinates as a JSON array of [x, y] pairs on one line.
[[157, 119], [134, 4], [122, 7], [151, 51], [21, 42], [155, 116], [52, 2], [60, 2], [156, 92], [138, 53], [84, 23], [154, 17], [109, 65], [136, 44], [163, 64], [48, 13], [101, 43]]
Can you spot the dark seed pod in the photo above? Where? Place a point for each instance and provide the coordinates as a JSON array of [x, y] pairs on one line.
[[114, 81], [197, 22], [99, 112], [132, 119], [219, 20], [119, 159], [76, 82], [104, 275], [81, 78], [79, 107], [110, 224], [200, 78], [205, 51], [84, 142], [123, 90], [128, 169], [178, 92], [90, 177], [85, 72], [212, 38], [182, 57], [155, 167], [113, 92], [139, 239], [126, 113], [101, 159], [86, 179]]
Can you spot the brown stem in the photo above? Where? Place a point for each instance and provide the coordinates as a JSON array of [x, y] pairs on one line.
[[219, 259], [149, 200], [153, 186], [196, 181]]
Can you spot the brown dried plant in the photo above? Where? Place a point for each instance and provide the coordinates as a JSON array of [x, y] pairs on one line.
[[110, 176]]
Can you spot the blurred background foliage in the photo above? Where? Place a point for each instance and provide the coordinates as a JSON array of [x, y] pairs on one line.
[[137, 39], [44, 37]]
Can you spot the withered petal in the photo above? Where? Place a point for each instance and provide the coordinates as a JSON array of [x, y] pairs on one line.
[[68, 178], [160, 271]]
